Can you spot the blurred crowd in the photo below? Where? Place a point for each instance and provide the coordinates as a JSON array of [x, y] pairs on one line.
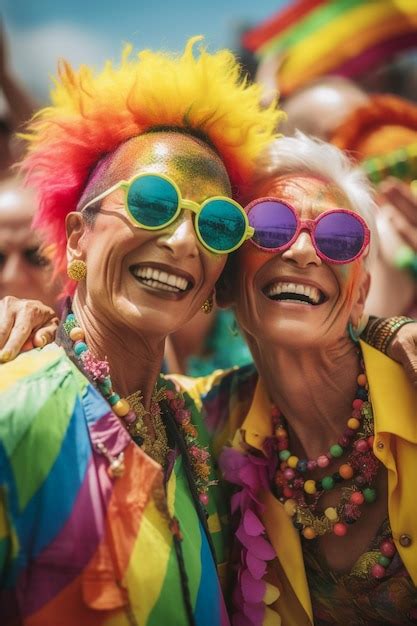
[[359, 97]]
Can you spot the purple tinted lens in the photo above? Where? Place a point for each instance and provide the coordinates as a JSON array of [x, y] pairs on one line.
[[339, 236], [274, 224]]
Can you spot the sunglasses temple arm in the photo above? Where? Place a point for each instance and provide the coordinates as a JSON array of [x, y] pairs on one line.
[[101, 196]]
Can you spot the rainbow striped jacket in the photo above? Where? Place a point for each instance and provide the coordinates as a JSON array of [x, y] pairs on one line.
[[77, 547]]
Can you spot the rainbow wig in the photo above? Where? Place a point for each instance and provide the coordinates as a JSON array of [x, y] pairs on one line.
[[92, 114]]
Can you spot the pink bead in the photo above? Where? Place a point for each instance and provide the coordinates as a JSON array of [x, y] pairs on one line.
[[356, 413], [370, 441], [340, 529], [204, 499], [130, 417], [289, 473], [323, 461], [282, 444], [378, 571], [361, 445], [357, 498], [357, 404], [287, 492], [311, 465], [388, 549]]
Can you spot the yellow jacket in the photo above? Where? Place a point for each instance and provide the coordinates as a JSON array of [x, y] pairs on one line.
[[394, 404]]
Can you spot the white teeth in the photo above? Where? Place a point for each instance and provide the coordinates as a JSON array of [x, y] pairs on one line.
[[312, 293], [161, 279]]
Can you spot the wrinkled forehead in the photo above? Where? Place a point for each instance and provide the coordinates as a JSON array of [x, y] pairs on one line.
[[309, 195], [185, 159]]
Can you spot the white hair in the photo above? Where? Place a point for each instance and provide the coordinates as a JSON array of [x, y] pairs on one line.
[[307, 155]]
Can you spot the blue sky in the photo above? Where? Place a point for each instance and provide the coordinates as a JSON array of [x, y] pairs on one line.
[[41, 31]]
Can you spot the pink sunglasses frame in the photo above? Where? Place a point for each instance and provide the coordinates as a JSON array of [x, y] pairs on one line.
[[311, 226]]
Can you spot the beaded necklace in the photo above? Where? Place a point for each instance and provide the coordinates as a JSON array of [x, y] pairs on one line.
[[300, 495], [145, 427]]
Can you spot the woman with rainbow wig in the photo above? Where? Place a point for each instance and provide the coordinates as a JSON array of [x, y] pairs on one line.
[[109, 508]]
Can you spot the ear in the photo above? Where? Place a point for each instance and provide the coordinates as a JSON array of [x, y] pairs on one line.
[[224, 287], [361, 295], [76, 229]]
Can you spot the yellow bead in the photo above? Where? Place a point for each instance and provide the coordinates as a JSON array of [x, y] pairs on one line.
[[331, 514], [121, 408], [353, 423], [310, 486], [309, 532], [292, 461], [77, 334], [290, 507]]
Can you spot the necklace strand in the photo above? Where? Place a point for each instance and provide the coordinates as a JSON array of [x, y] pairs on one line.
[[138, 421]]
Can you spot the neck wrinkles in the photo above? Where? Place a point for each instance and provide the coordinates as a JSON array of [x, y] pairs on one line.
[[314, 390], [135, 360]]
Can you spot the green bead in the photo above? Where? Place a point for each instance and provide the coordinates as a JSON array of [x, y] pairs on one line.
[[336, 450], [384, 560], [284, 455], [113, 398], [80, 347], [105, 386], [327, 483], [369, 494]]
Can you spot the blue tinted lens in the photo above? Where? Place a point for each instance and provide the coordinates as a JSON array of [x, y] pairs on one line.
[[274, 223], [152, 201], [221, 225]]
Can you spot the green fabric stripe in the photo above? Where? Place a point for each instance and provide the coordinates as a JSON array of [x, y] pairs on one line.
[[171, 589], [312, 23], [40, 403]]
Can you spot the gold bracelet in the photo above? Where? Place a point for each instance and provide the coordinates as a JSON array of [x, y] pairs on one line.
[[380, 332]]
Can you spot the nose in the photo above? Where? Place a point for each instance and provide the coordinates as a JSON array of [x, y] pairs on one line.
[[180, 238], [302, 251]]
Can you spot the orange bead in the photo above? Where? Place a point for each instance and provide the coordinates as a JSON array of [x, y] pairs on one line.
[[121, 407], [309, 532], [361, 380], [281, 433], [353, 423], [77, 334], [346, 471]]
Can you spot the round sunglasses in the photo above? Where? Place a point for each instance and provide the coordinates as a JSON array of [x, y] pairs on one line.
[[338, 236], [154, 201]]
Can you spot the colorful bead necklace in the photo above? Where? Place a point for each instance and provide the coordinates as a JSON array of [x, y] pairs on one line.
[[138, 421], [300, 495], [294, 490]]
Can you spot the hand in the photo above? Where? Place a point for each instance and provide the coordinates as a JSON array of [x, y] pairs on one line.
[[24, 324], [403, 348]]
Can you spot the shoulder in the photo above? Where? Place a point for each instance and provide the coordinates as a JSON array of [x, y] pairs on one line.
[[38, 392]]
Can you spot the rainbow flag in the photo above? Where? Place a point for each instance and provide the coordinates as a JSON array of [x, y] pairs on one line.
[[78, 547], [312, 38]]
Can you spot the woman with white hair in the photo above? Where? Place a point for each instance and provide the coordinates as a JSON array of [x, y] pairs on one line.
[[321, 440]]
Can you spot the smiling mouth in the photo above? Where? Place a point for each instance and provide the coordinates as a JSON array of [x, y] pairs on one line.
[[160, 279], [294, 292]]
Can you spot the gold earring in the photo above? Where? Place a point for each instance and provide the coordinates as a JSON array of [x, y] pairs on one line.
[[207, 305], [77, 270]]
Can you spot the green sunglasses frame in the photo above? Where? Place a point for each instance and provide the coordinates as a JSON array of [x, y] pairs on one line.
[[189, 205]]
